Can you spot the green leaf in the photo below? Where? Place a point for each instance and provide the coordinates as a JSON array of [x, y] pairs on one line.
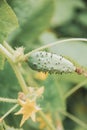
[[64, 11], [8, 20], [83, 18], [73, 50], [53, 95], [9, 86], [68, 49], [34, 17], [12, 128], [79, 128], [3, 126]]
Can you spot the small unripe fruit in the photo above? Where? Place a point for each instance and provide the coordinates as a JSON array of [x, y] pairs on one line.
[[49, 62]]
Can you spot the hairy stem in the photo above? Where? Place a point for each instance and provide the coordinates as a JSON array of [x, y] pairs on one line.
[[8, 47], [51, 126], [74, 89], [6, 53], [8, 100], [75, 119], [20, 78], [55, 43], [21, 82], [6, 114], [25, 90]]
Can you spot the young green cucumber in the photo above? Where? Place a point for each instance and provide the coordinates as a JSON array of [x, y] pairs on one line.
[[49, 62]]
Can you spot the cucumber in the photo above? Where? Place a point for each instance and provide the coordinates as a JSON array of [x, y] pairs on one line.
[[49, 62]]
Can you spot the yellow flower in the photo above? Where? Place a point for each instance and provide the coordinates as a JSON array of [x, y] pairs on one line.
[[41, 75], [29, 108]]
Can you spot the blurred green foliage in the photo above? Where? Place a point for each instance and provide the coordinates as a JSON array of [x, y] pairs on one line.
[[31, 20], [8, 20], [42, 22]]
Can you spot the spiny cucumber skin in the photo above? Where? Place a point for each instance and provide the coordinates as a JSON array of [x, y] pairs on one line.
[[48, 62]]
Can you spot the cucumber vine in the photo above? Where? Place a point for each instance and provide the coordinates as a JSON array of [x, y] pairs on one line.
[[41, 61]]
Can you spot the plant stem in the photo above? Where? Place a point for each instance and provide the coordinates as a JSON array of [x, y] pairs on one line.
[[75, 119], [75, 89], [6, 54], [22, 83], [6, 114], [10, 58], [20, 78], [46, 120], [55, 43], [25, 90], [8, 100], [8, 47]]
